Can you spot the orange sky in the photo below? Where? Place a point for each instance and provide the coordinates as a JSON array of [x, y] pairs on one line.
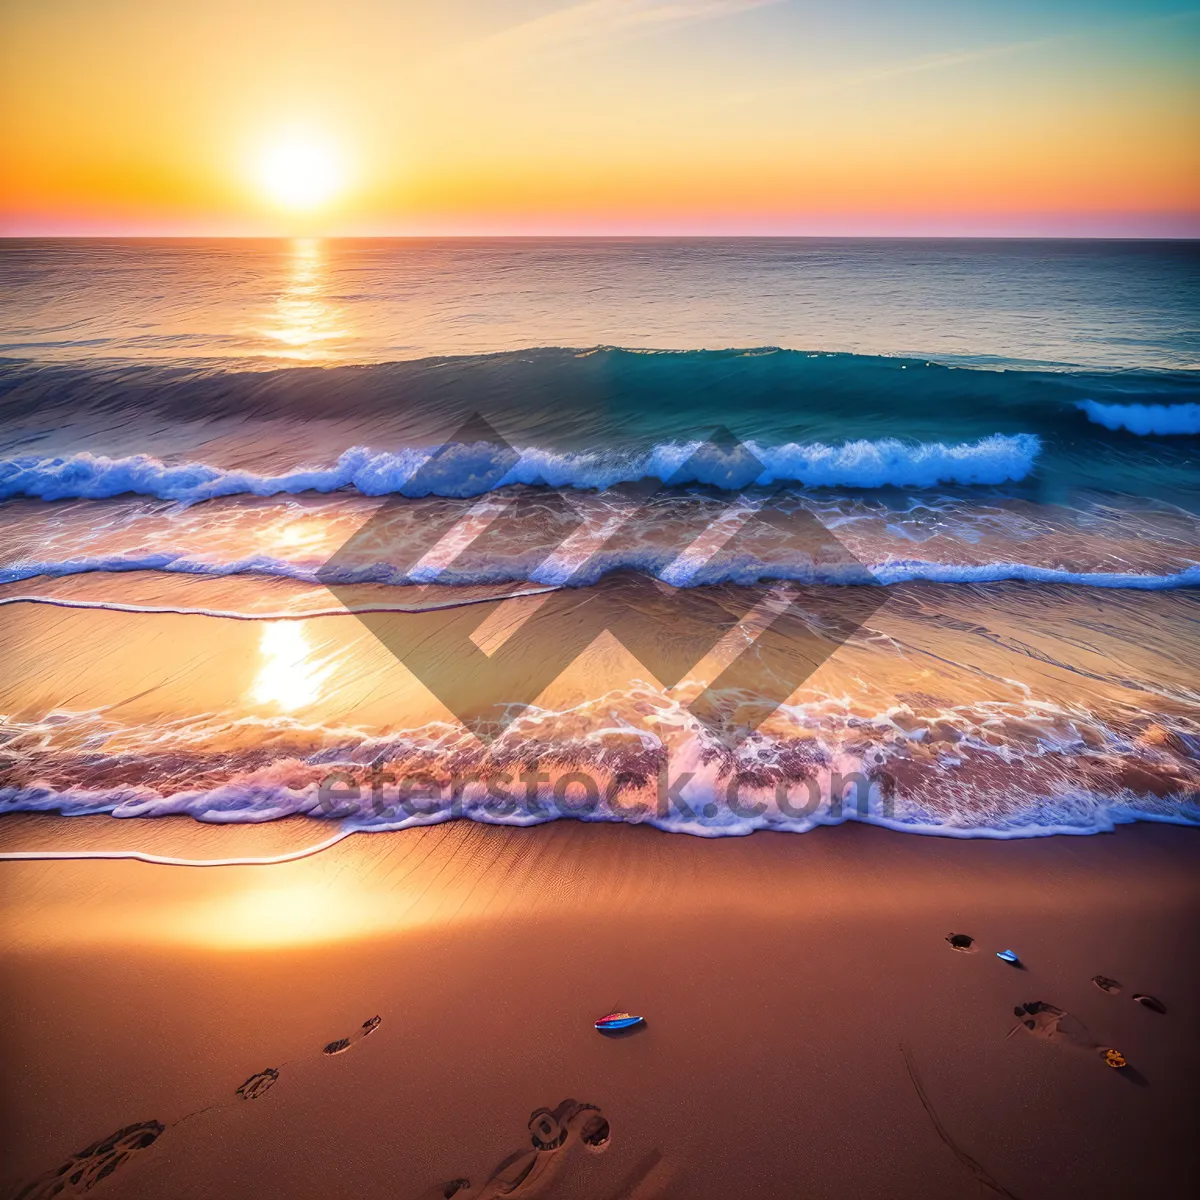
[[528, 116]]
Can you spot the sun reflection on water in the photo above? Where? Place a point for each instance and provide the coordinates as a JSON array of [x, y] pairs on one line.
[[306, 321], [288, 677]]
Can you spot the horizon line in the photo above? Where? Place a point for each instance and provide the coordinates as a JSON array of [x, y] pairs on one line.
[[599, 237]]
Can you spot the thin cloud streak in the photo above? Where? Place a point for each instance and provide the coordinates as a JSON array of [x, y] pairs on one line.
[[597, 23]]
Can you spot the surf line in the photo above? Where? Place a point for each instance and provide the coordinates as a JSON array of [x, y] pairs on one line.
[[168, 860], [231, 615]]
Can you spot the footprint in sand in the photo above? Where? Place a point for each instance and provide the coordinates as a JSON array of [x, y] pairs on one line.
[[256, 1085], [82, 1171], [525, 1172], [342, 1044], [550, 1130], [964, 943], [1040, 1018], [1048, 1023], [1114, 989]]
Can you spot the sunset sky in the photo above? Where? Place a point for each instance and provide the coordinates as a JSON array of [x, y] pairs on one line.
[[607, 116]]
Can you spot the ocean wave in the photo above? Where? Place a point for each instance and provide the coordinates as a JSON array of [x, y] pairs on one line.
[[910, 761], [465, 470], [1145, 419], [589, 418]]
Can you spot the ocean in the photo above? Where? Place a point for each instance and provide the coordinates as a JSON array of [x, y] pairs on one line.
[[716, 535]]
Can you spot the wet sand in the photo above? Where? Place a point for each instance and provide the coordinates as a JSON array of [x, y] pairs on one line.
[[809, 1032]]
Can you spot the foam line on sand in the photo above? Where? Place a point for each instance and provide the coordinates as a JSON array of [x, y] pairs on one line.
[[168, 860], [232, 615]]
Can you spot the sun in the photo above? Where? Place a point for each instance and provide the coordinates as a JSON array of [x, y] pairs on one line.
[[301, 173]]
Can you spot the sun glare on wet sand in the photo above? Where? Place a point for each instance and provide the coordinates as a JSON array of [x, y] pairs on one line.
[[287, 676]]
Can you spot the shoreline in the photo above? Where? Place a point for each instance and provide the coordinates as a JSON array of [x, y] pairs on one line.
[[991, 710], [22, 830]]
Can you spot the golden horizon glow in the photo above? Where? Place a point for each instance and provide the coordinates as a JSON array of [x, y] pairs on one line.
[[381, 117]]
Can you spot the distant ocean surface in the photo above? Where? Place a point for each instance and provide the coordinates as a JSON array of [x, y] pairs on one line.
[[209, 451]]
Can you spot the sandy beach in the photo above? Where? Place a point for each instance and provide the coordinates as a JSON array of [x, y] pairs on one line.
[[809, 1031], [599, 600]]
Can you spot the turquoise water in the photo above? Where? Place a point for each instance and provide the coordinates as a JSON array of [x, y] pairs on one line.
[[209, 427]]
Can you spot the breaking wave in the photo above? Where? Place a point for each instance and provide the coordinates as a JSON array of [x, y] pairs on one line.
[[466, 470]]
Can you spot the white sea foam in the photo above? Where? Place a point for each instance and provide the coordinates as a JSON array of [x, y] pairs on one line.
[[1075, 812], [461, 470], [746, 571], [1145, 419], [825, 763]]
